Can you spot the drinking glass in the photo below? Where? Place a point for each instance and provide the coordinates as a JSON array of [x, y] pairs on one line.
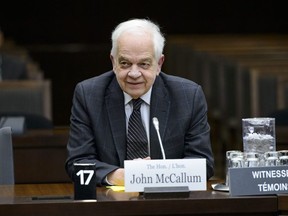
[[252, 159], [258, 135], [271, 158], [229, 155], [237, 160], [282, 153], [283, 157]]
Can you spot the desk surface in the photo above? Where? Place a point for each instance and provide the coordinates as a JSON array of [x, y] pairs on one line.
[[57, 199]]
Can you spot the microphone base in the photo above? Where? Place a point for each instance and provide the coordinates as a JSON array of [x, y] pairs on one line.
[[166, 192]]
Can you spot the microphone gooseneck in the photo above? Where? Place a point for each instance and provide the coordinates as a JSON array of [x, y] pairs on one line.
[[156, 125]]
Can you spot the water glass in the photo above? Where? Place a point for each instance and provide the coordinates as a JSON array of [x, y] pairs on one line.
[[282, 153], [234, 159], [283, 157], [258, 135], [237, 160], [271, 158], [252, 159], [228, 163]]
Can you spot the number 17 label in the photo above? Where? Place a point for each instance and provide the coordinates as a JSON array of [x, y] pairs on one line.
[[85, 173]]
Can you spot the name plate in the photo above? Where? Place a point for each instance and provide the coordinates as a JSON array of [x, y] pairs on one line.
[[258, 180], [165, 173]]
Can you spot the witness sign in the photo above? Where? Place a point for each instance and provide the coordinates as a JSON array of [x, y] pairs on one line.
[[258, 180]]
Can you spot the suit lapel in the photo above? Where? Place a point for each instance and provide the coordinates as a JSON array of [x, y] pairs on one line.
[[116, 113], [160, 107]]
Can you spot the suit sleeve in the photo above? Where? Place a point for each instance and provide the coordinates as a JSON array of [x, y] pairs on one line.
[[81, 145], [197, 137]]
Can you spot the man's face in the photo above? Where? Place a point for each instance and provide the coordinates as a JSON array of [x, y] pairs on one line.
[[135, 64]]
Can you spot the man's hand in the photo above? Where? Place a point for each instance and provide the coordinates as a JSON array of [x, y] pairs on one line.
[[116, 177]]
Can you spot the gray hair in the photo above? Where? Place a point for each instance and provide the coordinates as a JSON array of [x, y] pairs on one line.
[[139, 25]]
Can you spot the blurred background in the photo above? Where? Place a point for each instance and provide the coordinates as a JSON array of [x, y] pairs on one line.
[[70, 40], [237, 50]]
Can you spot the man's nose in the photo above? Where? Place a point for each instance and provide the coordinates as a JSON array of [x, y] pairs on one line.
[[134, 72]]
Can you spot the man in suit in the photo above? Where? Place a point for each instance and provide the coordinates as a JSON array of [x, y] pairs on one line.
[[11, 67], [101, 107]]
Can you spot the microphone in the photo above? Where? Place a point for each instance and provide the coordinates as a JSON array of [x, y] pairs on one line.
[[156, 125]]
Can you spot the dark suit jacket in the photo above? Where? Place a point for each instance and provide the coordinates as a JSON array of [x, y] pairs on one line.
[[13, 68], [98, 126]]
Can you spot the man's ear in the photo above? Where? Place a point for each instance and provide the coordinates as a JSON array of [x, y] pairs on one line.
[[112, 61], [160, 63]]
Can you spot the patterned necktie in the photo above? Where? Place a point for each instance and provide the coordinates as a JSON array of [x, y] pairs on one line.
[[137, 143]]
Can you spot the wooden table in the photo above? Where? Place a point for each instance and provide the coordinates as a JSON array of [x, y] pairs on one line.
[[57, 199], [39, 151], [283, 203]]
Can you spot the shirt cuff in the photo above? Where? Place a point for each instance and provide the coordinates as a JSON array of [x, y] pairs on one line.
[[106, 180]]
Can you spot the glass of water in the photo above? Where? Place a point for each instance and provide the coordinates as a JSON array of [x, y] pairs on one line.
[[271, 158], [252, 159], [235, 159], [229, 163], [259, 135], [283, 157]]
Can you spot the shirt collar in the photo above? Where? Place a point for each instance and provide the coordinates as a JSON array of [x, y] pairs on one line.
[[146, 97]]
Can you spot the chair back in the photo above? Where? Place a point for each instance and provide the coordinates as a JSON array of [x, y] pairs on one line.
[[6, 157]]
